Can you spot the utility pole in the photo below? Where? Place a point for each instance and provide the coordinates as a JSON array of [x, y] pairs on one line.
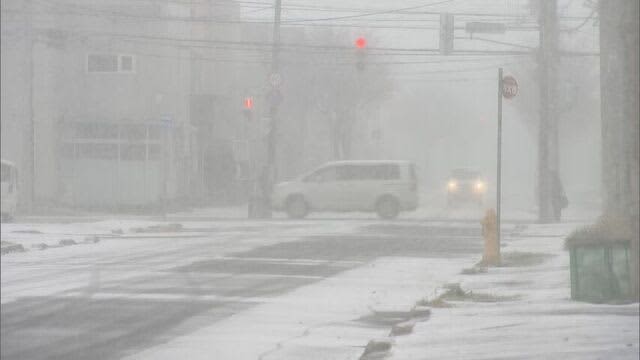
[[548, 128], [272, 173], [499, 162], [30, 131]]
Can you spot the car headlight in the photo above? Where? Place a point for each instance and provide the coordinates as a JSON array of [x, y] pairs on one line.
[[452, 185], [479, 186]]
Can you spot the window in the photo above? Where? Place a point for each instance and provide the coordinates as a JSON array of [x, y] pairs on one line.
[[155, 152], [133, 153], [102, 63], [96, 131], [67, 150], [155, 132], [126, 63], [387, 172], [368, 172], [133, 132], [98, 151], [110, 63], [464, 174], [322, 175], [348, 172]]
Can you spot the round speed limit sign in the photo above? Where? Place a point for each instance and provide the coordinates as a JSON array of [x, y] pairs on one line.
[[509, 87]]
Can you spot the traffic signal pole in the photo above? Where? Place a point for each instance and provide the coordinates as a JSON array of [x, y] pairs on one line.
[[272, 173], [548, 143]]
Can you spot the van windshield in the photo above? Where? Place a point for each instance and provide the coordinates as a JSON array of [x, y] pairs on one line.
[[464, 174], [368, 172]]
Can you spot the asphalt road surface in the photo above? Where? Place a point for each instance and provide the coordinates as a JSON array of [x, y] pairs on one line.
[[123, 295]]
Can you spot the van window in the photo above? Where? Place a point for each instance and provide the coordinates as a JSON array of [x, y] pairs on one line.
[[464, 174], [368, 172], [322, 175], [349, 172], [387, 172]]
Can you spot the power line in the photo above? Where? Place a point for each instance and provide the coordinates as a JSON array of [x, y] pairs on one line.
[[374, 12], [462, 70], [583, 23], [213, 19]]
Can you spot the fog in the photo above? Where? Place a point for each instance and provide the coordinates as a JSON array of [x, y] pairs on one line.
[[194, 65], [308, 142]]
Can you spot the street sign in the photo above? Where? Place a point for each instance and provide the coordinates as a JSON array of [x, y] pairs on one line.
[[166, 119], [509, 87], [275, 80]]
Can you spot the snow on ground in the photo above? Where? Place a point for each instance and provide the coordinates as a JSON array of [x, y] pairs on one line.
[[61, 268], [31, 235], [541, 323], [317, 321], [320, 320]]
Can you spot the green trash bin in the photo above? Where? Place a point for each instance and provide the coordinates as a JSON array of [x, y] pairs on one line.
[[600, 272]]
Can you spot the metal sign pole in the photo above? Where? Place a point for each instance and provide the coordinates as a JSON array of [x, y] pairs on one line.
[[499, 163]]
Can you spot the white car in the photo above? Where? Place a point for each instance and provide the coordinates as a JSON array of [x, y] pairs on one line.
[[386, 187], [465, 186]]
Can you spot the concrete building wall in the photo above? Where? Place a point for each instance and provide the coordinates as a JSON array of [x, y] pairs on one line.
[[57, 87], [15, 48]]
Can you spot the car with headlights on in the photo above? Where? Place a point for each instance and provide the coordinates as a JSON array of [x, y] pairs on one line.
[[465, 186]]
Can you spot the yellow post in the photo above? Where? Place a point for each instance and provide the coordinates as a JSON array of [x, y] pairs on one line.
[[491, 255]]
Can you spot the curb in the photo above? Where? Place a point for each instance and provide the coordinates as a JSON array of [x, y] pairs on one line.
[[403, 328], [405, 322], [12, 249], [377, 349], [43, 246]]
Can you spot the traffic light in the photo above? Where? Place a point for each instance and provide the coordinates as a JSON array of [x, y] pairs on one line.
[[248, 108], [248, 103], [361, 44]]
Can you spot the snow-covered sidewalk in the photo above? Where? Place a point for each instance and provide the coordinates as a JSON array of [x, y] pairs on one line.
[[523, 311]]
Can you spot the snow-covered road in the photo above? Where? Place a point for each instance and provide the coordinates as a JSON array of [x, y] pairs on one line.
[[239, 290]]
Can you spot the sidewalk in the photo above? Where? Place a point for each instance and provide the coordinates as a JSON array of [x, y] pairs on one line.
[[523, 310]]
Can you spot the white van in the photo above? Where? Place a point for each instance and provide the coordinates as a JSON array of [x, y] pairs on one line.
[[9, 177], [386, 187]]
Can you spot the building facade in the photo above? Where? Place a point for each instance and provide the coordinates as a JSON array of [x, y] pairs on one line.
[[117, 103]]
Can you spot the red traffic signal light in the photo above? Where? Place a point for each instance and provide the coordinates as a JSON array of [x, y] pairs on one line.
[[361, 43], [248, 103]]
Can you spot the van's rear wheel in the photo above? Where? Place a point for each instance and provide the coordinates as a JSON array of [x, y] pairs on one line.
[[387, 208], [297, 207]]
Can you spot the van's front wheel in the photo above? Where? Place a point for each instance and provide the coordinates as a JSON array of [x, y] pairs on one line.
[[297, 207], [387, 207]]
